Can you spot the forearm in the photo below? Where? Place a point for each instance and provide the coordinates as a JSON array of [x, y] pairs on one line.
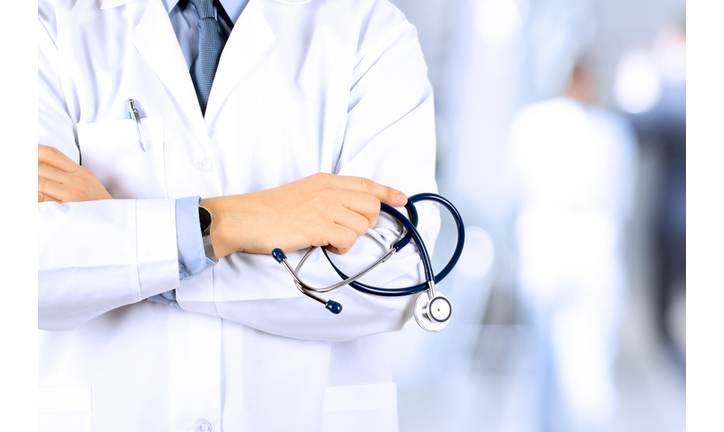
[[257, 291], [99, 255]]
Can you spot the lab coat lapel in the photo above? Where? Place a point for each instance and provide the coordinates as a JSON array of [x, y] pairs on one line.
[[247, 43], [156, 41]]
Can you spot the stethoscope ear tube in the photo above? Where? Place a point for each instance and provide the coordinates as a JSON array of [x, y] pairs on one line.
[[458, 224], [412, 216], [330, 305]]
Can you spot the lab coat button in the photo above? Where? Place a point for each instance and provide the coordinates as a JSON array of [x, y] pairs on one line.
[[202, 426], [204, 164]]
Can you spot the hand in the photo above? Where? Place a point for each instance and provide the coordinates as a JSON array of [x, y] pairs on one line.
[[62, 180], [319, 210]]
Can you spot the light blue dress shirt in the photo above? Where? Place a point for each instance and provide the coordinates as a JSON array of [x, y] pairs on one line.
[[191, 256]]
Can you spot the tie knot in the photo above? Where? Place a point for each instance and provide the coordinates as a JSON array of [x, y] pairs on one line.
[[205, 8]]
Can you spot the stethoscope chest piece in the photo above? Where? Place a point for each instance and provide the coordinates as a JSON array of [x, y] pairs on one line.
[[433, 314]]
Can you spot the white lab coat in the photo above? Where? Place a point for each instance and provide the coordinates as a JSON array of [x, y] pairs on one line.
[[302, 87]]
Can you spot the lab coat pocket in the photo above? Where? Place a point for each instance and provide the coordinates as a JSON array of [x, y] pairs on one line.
[[64, 409], [371, 407], [112, 151]]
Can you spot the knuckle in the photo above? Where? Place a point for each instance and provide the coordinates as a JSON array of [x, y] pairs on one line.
[[51, 151], [323, 183], [77, 194], [367, 184], [372, 209], [323, 210], [362, 230], [320, 177], [344, 241], [373, 220], [79, 181], [349, 239], [374, 204], [362, 226]]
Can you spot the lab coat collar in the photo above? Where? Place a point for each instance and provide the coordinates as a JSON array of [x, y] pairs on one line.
[[170, 4], [249, 40], [155, 40], [233, 8]]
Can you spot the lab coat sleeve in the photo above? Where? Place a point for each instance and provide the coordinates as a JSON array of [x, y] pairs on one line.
[[390, 138], [93, 256]]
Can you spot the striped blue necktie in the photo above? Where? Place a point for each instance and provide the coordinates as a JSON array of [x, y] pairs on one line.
[[211, 42]]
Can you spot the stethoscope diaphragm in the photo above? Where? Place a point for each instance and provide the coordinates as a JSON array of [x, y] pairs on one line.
[[432, 314]]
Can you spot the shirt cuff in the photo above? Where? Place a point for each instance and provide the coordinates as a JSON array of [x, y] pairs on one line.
[[191, 256]]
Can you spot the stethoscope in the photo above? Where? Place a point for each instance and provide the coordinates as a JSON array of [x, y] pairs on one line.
[[432, 309]]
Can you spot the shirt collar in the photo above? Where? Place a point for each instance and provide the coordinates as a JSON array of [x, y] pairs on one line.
[[233, 8]]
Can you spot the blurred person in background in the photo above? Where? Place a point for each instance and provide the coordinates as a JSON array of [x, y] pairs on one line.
[[575, 164], [659, 118]]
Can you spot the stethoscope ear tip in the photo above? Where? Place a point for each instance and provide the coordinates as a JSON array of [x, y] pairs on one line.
[[278, 255], [333, 307]]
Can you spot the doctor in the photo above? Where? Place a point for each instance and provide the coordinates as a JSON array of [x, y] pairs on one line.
[[309, 99]]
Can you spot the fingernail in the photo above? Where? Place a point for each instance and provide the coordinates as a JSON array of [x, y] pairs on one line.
[[402, 198]]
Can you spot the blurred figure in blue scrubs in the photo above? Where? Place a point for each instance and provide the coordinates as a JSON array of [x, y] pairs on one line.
[[576, 169]]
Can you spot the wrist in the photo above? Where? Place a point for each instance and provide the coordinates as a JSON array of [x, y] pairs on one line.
[[219, 244], [192, 256], [206, 222]]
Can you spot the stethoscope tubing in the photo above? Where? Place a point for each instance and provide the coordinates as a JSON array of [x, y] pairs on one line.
[[412, 234]]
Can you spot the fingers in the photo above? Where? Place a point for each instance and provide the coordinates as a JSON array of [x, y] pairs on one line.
[[363, 204], [53, 184], [49, 178], [55, 158], [385, 194], [362, 195], [341, 239], [46, 198], [353, 221], [52, 173], [63, 187], [49, 190], [360, 199], [62, 180]]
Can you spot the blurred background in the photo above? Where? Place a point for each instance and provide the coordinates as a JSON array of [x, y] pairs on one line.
[[562, 140]]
